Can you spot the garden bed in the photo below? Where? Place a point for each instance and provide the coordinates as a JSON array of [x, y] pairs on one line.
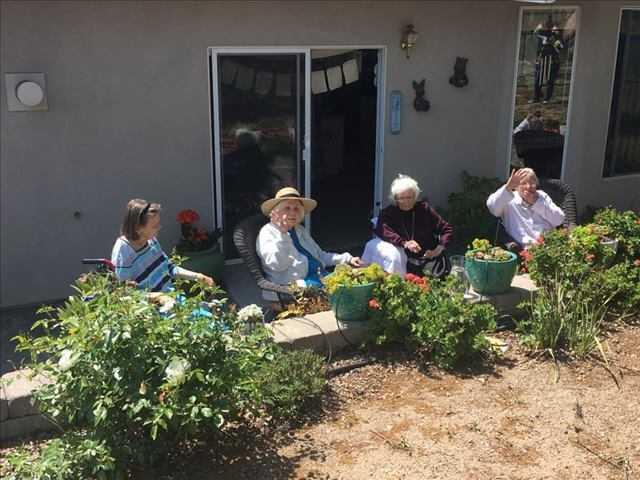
[[522, 418]]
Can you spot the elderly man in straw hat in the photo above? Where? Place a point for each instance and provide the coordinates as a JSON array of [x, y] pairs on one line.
[[287, 251]]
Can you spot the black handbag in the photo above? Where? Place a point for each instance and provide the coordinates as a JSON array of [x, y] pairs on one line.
[[438, 267]]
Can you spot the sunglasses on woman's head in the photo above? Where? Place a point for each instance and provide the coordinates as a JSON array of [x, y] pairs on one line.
[[143, 212]]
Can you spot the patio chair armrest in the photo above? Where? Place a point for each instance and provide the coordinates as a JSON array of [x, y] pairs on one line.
[[274, 287]]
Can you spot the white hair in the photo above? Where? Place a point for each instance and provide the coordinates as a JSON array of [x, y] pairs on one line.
[[530, 173], [401, 184]]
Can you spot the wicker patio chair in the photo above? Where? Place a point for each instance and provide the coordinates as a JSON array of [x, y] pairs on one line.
[[244, 238], [563, 196]]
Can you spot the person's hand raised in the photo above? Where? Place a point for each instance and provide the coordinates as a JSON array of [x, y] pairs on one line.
[[517, 176], [283, 220]]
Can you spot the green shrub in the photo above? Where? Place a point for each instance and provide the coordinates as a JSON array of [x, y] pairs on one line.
[[468, 209], [74, 456], [583, 282], [395, 307], [138, 380], [289, 384], [581, 263], [562, 318], [625, 227], [450, 327], [431, 317]]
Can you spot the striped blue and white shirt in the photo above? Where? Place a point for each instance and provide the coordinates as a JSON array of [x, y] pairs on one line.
[[149, 267]]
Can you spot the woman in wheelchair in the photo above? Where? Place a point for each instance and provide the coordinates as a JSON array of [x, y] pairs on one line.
[[138, 256], [286, 250], [525, 211], [410, 235]]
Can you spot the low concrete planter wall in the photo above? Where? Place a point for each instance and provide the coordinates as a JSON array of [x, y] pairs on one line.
[[19, 416]]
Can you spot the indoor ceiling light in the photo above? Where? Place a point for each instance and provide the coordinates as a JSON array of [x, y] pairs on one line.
[[543, 2]]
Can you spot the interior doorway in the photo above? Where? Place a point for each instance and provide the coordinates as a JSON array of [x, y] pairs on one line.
[[343, 146], [303, 117]]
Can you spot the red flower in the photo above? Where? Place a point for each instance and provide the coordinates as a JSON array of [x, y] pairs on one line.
[[410, 277], [589, 257], [636, 262], [420, 281], [374, 305], [188, 216], [540, 240], [526, 255]]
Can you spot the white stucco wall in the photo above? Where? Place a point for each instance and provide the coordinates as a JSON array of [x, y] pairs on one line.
[[128, 110]]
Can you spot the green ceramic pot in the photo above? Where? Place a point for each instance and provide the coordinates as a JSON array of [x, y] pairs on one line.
[[491, 277], [210, 262], [351, 303]]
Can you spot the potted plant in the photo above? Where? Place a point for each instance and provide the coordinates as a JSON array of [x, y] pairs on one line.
[[350, 290], [490, 269], [199, 246]]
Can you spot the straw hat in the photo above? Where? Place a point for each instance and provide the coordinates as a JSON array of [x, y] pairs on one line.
[[287, 193]]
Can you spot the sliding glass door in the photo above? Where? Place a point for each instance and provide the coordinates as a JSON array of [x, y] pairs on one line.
[[260, 125]]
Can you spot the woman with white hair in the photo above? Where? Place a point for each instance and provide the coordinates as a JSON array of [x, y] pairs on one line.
[[410, 233], [286, 249], [526, 212]]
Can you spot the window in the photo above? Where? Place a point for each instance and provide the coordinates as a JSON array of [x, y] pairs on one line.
[[543, 88], [622, 155]]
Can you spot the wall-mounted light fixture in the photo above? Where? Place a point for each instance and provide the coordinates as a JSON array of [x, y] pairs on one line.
[[26, 92], [409, 39]]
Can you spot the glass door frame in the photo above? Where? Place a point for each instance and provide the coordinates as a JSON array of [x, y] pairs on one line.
[[571, 86], [214, 118]]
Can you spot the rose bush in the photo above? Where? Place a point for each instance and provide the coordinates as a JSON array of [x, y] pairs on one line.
[[138, 382]]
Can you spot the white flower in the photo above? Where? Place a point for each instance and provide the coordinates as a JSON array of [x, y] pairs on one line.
[[177, 369], [251, 313], [66, 360]]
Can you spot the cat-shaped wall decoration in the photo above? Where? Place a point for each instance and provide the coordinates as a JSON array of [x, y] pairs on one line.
[[420, 103], [459, 78]]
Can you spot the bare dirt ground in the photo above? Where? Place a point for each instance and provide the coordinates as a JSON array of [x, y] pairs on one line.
[[524, 418], [520, 418]]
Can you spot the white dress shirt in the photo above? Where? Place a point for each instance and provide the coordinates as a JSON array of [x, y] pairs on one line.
[[281, 260], [525, 223]]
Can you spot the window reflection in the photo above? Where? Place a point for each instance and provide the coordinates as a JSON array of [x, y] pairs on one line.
[[623, 140], [545, 60], [261, 109]]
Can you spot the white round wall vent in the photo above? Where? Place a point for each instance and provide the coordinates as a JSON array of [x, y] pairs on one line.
[[29, 93]]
